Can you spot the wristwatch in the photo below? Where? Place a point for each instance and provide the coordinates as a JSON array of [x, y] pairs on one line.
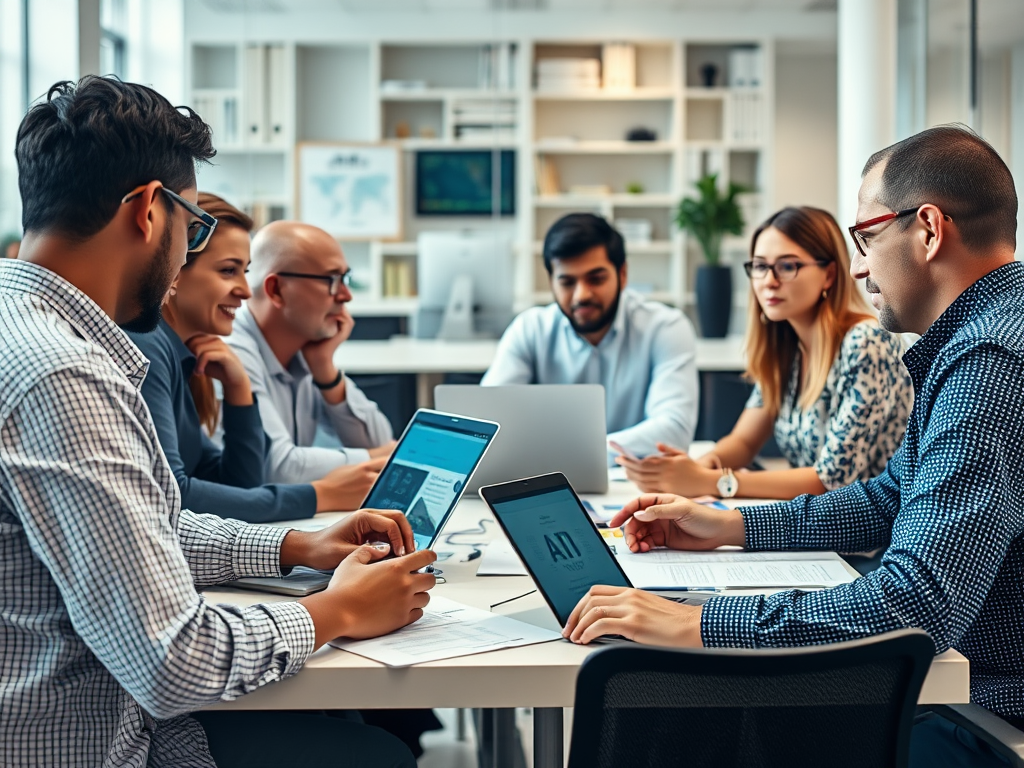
[[728, 486]]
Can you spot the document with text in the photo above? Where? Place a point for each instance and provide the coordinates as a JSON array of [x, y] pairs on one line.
[[668, 569], [447, 629]]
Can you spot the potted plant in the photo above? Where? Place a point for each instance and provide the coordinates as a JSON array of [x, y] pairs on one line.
[[709, 218]]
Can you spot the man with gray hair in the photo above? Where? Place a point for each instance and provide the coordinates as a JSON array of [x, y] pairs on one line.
[[287, 337]]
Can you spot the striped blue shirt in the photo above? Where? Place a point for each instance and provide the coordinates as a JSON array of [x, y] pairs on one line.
[[949, 506]]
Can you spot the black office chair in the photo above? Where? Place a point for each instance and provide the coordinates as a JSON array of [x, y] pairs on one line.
[[847, 704]]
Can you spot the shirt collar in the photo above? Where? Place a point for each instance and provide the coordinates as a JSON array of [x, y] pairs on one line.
[[970, 304], [181, 351], [84, 314], [246, 321]]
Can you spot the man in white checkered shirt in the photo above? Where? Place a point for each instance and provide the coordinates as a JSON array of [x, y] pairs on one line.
[[105, 644]]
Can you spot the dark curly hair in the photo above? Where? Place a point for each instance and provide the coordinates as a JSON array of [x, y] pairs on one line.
[[89, 143]]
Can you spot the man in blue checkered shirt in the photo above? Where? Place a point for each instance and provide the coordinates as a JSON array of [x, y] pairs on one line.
[[935, 238], [105, 644]]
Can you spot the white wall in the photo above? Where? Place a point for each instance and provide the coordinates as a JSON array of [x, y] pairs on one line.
[[806, 123], [335, 24], [10, 113]]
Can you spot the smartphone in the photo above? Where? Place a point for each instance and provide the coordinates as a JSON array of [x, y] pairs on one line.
[[622, 451]]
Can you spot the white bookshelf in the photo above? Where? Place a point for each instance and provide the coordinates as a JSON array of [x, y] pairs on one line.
[[417, 94]]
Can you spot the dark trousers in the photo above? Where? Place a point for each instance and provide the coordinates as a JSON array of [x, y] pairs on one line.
[[938, 743], [258, 739]]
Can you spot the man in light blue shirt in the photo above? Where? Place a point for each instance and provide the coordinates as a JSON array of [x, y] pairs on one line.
[[598, 332]]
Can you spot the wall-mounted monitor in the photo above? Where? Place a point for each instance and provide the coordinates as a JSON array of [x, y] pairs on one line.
[[465, 182]]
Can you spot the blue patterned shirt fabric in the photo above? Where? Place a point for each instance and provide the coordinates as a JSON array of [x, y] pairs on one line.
[[856, 424], [105, 644], [949, 507]]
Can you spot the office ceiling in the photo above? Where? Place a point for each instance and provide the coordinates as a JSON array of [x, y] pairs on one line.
[[284, 6], [1000, 22]]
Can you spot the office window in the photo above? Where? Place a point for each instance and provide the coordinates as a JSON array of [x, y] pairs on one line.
[[112, 38]]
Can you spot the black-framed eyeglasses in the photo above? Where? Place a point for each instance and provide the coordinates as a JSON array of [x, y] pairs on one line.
[[858, 237], [334, 281], [784, 271], [200, 229]]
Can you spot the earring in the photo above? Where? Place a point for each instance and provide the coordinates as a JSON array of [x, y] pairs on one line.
[[173, 291], [764, 320], [824, 295]]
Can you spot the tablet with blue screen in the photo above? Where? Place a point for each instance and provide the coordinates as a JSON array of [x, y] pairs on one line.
[[429, 469], [424, 478]]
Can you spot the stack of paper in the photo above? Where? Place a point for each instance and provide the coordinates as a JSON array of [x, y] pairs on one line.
[[568, 74], [448, 629]]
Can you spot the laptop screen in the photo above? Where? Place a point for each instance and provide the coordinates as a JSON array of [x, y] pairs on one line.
[[559, 545], [429, 469]]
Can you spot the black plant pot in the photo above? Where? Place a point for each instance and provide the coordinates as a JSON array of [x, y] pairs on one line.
[[714, 300]]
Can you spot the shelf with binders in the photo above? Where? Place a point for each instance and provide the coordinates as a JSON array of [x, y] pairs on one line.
[[483, 66], [713, 66]]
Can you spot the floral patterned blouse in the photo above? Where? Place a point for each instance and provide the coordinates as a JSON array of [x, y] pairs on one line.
[[858, 421]]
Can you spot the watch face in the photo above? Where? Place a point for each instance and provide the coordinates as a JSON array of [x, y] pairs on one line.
[[727, 486]]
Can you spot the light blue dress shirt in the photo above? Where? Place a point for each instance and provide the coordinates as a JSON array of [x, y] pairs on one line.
[[647, 363], [292, 409]]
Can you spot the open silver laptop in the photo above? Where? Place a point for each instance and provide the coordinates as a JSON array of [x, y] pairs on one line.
[[544, 428]]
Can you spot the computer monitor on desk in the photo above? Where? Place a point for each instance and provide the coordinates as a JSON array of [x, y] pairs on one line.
[[465, 284]]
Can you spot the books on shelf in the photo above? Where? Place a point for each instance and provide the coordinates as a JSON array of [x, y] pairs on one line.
[[635, 231], [483, 112], [398, 278], [546, 174], [484, 134], [746, 68], [746, 110], [497, 71], [567, 74], [619, 61]]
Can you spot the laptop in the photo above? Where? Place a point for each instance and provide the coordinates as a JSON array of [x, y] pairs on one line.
[[425, 477], [550, 530], [544, 427]]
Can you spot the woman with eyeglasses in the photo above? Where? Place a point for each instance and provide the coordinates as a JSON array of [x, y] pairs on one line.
[[187, 353], [828, 381]]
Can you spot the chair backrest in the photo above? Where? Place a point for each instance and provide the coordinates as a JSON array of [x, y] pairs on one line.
[[847, 704]]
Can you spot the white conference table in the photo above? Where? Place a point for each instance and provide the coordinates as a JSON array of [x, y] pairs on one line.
[[542, 677], [430, 359]]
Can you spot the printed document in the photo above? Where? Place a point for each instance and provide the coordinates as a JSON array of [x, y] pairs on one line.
[[447, 629], [669, 569]]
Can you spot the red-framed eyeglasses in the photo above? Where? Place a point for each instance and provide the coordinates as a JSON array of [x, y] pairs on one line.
[[855, 230]]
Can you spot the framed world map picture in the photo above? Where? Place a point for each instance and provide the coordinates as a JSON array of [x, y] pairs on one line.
[[352, 191]]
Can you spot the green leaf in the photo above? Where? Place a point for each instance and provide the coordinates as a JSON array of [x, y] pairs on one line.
[[711, 215]]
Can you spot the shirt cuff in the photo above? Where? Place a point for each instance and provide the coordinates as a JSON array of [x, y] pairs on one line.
[[728, 622], [767, 527], [258, 551], [241, 418], [296, 631], [356, 455]]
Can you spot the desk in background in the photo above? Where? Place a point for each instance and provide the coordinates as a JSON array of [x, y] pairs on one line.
[[400, 374], [542, 677]]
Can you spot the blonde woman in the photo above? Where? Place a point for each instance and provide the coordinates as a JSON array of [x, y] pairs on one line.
[[828, 380]]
